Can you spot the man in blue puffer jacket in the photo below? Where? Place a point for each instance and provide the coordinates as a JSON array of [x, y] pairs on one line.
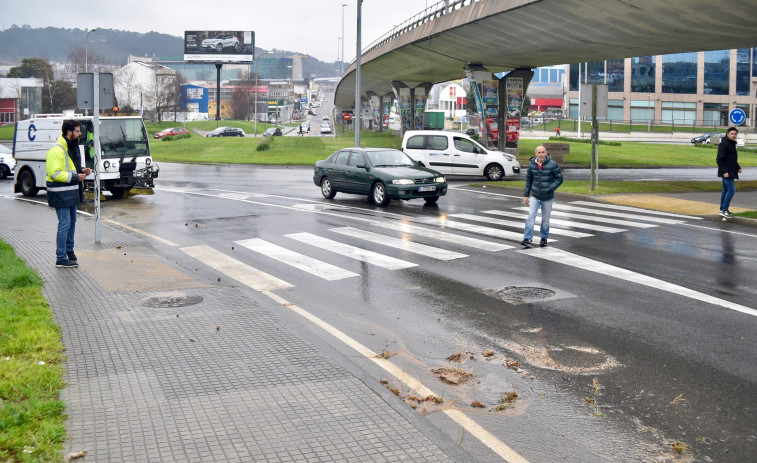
[[543, 176]]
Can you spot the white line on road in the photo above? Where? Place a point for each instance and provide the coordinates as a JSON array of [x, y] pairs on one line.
[[353, 252], [566, 223], [495, 232], [300, 261], [564, 207], [508, 223], [398, 243], [245, 274], [720, 230], [574, 260], [634, 209], [443, 236], [573, 215]]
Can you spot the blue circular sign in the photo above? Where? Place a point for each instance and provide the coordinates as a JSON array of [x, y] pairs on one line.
[[737, 116]]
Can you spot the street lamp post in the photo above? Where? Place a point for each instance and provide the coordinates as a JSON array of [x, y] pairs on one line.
[[649, 115], [86, 59], [256, 92], [342, 60]]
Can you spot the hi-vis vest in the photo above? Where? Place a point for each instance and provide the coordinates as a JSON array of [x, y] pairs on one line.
[[61, 170]]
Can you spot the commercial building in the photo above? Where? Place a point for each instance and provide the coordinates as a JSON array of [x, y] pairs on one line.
[[19, 99], [696, 89]]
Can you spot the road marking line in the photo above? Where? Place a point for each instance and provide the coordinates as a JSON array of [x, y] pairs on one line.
[[398, 243], [495, 232], [485, 193], [574, 260], [444, 236], [595, 218], [634, 209], [564, 207], [141, 232], [521, 225], [245, 274], [720, 230], [353, 252], [297, 260], [476, 430], [567, 223]]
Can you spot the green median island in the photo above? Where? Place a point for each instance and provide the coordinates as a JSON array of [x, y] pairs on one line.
[[32, 416]]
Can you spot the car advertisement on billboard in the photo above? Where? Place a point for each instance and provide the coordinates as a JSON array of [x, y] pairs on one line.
[[219, 46]]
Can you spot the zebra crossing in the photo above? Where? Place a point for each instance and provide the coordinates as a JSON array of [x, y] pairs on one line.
[[576, 220]]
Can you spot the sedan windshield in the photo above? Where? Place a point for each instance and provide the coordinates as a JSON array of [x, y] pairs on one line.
[[389, 158]]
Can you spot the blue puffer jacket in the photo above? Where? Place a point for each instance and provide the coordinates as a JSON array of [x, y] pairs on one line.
[[541, 184]]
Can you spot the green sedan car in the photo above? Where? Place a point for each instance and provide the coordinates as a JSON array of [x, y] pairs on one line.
[[382, 173]]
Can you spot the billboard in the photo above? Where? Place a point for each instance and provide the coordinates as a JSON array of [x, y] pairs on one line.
[[219, 46]]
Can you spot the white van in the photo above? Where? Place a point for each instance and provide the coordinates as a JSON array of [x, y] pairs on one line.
[[454, 153]]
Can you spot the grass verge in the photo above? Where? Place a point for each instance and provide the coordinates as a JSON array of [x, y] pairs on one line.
[[32, 416], [618, 187]]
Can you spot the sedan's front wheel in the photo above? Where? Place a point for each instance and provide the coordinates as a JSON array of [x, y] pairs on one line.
[[327, 189], [378, 194]]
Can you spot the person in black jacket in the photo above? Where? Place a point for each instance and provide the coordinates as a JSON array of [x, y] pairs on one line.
[[543, 176], [728, 169]]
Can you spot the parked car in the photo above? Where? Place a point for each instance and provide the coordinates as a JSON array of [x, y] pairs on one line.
[[382, 173], [173, 131], [705, 137], [471, 132], [226, 132], [325, 128], [305, 126], [221, 41], [272, 132], [310, 112], [454, 153], [325, 118], [7, 163]]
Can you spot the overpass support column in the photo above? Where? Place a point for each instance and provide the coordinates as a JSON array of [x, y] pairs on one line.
[[419, 96], [402, 93], [521, 73], [375, 105]]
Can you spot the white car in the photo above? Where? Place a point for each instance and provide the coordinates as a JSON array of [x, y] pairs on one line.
[[325, 128], [7, 163], [221, 41], [454, 153]]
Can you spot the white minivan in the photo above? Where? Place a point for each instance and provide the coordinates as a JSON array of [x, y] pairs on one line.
[[454, 153]]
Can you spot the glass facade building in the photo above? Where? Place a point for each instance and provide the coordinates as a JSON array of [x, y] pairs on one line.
[[686, 89]]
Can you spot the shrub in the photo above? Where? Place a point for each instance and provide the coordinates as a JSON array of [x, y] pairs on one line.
[[585, 140], [177, 137], [264, 145]]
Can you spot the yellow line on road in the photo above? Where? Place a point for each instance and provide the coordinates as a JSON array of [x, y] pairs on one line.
[[141, 232], [477, 431]]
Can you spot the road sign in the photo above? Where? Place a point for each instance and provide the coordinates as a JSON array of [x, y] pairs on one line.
[[737, 116], [85, 90], [347, 116]]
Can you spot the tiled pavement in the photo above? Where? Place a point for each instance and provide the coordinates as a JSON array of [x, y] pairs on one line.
[[223, 380]]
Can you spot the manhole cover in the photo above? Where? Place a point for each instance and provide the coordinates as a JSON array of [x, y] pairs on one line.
[[170, 301], [524, 293]]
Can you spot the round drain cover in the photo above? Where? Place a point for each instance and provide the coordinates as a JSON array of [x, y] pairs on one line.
[[522, 293], [170, 301]]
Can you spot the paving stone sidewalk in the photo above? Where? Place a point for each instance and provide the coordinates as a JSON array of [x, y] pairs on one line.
[[220, 380]]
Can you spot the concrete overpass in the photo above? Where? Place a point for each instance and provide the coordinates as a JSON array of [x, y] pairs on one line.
[[436, 44]]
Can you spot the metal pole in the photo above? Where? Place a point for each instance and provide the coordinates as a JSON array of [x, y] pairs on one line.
[[341, 72], [358, 109], [86, 60], [256, 98], [579, 99], [218, 91], [594, 137], [96, 127]]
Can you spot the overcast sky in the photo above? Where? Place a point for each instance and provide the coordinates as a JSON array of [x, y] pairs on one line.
[[311, 27]]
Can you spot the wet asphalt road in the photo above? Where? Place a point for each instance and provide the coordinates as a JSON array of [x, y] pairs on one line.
[[610, 369]]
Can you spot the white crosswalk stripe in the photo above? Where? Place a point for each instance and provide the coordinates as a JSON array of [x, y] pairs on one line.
[[633, 209], [565, 207], [243, 273], [300, 261], [488, 231], [444, 236], [508, 223], [353, 252], [625, 223], [405, 245], [552, 220]]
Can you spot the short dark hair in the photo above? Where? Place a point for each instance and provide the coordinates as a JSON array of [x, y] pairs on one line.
[[70, 124], [734, 129]]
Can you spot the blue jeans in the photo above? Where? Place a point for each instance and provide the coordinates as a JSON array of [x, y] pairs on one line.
[[729, 189], [66, 228], [533, 207]]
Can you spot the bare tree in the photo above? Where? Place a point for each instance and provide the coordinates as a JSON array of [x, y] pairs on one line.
[[128, 90], [242, 98], [82, 60]]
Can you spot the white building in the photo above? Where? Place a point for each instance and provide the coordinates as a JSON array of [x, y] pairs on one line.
[[146, 86]]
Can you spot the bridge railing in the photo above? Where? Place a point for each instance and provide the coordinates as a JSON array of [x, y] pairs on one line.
[[429, 14]]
